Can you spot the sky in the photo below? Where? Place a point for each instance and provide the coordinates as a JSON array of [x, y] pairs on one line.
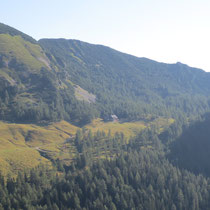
[[167, 31]]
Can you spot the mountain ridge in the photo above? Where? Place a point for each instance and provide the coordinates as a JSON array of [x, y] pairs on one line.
[[122, 84], [12, 31], [125, 53]]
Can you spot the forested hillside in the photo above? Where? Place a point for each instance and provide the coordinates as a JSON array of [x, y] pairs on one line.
[[138, 177], [87, 127], [191, 149], [128, 86], [48, 81], [31, 89]]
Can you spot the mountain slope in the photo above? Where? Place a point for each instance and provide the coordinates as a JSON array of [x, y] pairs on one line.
[[5, 29], [57, 79], [129, 86], [31, 89], [191, 150]]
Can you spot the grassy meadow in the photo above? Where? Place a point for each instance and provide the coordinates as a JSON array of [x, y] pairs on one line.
[[24, 146]]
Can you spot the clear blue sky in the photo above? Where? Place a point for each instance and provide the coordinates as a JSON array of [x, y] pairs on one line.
[[162, 30]]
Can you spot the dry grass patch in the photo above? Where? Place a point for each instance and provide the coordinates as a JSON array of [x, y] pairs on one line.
[[129, 129], [20, 144]]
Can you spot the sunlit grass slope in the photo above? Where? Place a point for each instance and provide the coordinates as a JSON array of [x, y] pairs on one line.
[[129, 129], [24, 51], [20, 144]]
